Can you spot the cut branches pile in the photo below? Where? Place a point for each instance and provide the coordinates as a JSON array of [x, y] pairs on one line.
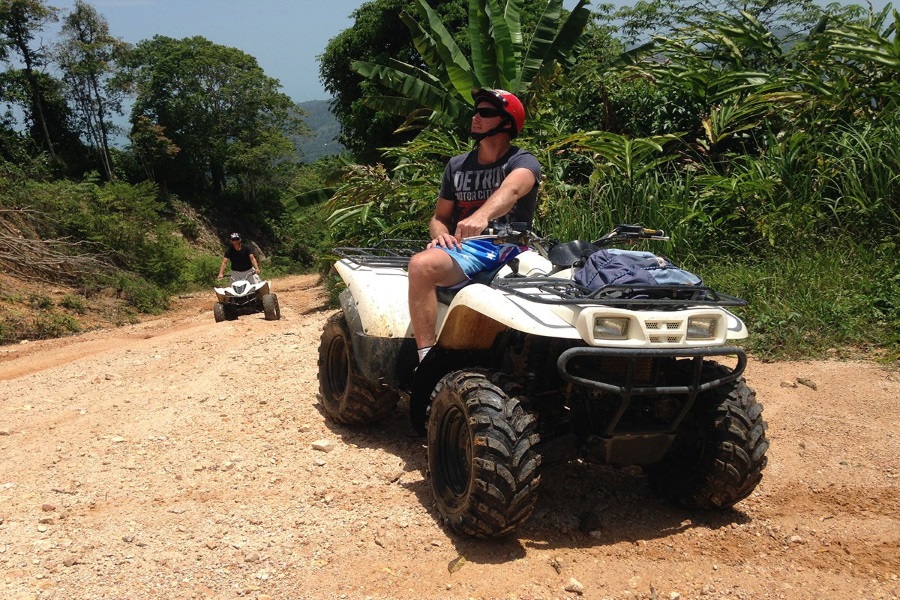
[[58, 260]]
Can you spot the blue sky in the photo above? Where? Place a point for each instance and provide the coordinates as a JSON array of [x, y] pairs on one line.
[[285, 36]]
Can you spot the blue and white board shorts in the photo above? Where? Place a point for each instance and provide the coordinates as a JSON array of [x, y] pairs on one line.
[[482, 255]]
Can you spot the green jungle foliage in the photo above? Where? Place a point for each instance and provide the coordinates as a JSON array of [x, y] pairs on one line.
[[764, 137], [774, 166], [122, 236]]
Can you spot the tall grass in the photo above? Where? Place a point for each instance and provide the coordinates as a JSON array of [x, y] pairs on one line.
[[843, 182], [814, 301], [807, 231], [693, 211]]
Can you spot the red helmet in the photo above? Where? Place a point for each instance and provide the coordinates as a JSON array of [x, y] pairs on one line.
[[506, 103]]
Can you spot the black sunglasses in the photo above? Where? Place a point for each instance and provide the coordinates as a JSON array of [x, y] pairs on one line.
[[486, 112]]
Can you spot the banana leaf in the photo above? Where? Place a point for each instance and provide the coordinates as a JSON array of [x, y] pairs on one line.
[[458, 69]]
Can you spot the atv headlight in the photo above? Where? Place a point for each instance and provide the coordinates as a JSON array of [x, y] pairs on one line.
[[611, 328], [702, 328]]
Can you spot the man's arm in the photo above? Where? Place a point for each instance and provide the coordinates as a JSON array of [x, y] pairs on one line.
[[253, 262], [518, 183], [222, 267]]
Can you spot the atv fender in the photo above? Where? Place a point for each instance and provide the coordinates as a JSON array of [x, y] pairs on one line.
[[380, 298], [389, 361], [736, 328], [223, 296], [478, 313]]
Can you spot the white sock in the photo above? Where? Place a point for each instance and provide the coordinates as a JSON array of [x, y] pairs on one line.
[[423, 351]]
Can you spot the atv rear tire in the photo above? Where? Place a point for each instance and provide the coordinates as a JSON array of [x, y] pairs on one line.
[[219, 312], [480, 455], [719, 451], [347, 396], [270, 307]]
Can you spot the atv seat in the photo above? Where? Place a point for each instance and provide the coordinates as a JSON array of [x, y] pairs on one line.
[[570, 254], [445, 295]]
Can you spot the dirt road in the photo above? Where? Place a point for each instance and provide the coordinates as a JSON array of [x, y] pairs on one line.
[[178, 458]]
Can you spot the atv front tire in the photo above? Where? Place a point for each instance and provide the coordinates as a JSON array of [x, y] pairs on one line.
[[347, 396], [219, 312], [719, 450], [480, 455], [270, 307]]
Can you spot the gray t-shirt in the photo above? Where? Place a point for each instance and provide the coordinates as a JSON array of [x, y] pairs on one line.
[[469, 184]]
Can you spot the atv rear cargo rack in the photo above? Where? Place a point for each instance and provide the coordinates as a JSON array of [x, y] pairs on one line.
[[388, 253]]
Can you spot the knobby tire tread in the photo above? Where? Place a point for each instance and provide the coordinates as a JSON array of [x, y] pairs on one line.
[[504, 481], [270, 307], [734, 449], [361, 402]]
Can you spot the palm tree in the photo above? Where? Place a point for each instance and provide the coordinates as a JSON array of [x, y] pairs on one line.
[[500, 58]]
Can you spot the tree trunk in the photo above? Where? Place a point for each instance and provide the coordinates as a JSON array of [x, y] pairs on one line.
[[103, 126], [217, 171], [37, 104]]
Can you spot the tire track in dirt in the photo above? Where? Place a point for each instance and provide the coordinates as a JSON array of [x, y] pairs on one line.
[[174, 459]]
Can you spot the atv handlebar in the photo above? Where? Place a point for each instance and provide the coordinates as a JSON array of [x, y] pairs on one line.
[[623, 233], [507, 233], [518, 233]]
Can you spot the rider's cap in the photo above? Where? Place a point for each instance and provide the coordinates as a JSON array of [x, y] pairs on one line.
[[235, 236]]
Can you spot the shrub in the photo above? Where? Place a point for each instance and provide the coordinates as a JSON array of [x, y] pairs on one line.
[[74, 303], [54, 324], [12, 327], [40, 301], [140, 293], [202, 270]]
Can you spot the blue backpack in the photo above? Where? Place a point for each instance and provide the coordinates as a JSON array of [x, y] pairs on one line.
[[628, 267]]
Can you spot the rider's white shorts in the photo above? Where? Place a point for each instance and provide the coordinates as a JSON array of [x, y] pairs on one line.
[[245, 276]]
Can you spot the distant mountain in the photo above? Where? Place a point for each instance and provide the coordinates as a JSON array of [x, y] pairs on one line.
[[325, 130]]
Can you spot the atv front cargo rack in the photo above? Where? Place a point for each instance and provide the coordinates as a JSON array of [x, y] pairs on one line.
[[551, 290]]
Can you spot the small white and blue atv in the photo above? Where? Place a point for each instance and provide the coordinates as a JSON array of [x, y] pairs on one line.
[[244, 297]]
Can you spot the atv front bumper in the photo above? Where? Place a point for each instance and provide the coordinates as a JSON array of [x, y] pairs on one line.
[[619, 445], [694, 387]]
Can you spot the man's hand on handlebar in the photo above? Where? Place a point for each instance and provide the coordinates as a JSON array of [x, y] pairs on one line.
[[471, 226]]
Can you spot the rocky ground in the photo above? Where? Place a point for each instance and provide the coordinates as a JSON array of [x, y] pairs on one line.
[[181, 458]]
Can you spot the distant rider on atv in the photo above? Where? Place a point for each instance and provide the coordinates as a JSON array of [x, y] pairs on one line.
[[243, 262], [495, 180]]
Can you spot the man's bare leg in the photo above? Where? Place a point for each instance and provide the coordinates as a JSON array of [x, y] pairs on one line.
[[428, 269]]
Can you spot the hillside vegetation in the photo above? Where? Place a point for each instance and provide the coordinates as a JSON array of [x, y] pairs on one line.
[[324, 132], [764, 137]]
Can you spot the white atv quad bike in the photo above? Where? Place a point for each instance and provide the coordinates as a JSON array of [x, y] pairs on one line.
[[245, 297], [532, 369]]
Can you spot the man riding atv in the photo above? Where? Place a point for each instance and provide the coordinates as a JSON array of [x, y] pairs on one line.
[[494, 182], [528, 362], [247, 292], [244, 266]]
